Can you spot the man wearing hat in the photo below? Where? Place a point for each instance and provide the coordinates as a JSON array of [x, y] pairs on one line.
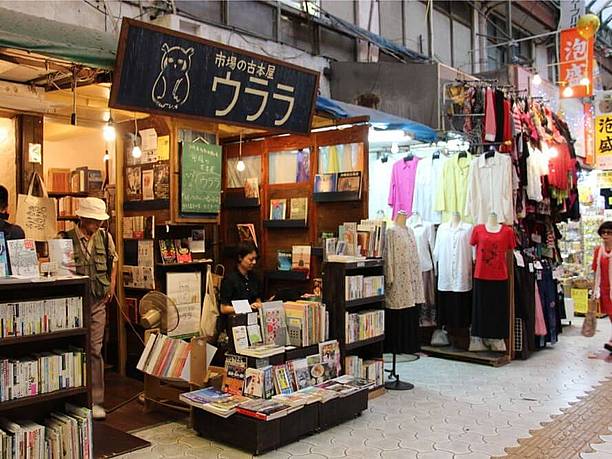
[[95, 256]]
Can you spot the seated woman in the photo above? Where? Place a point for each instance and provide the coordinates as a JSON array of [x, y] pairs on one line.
[[242, 284]]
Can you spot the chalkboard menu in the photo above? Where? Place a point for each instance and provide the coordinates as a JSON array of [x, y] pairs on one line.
[[200, 179], [166, 72]]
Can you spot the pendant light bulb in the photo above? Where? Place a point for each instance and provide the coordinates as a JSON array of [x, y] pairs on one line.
[[106, 156], [568, 92], [136, 151], [537, 79], [585, 81], [108, 131], [240, 166]]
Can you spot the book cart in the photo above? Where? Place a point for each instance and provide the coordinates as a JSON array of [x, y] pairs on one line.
[[38, 407]]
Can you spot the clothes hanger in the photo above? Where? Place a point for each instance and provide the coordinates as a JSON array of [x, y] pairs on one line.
[[490, 153], [409, 156], [463, 154], [436, 155]]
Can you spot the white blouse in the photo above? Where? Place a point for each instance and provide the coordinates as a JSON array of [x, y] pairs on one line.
[[490, 189], [428, 177], [425, 236], [453, 255], [403, 278]]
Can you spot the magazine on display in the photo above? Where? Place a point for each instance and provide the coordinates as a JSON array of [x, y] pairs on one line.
[[61, 252], [278, 209], [22, 255], [246, 232], [298, 209], [251, 188], [4, 264]]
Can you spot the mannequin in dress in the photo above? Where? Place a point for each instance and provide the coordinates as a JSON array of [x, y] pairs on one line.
[[455, 220], [492, 224], [425, 236], [400, 218]]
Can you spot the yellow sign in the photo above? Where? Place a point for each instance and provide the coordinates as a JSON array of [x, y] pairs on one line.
[[603, 141], [163, 147], [581, 300]]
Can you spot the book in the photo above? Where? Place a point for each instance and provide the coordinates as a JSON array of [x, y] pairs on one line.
[[265, 410], [139, 227], [246, 232], [161, 182], [298, 209], [253, 382], [268, 381], [183, 254], [325, 183], [22, 257], [283, 260], [134, 183], [225, 407], [201, 397], [197, 241], [241, 340], [254, 332], [301, 374], [145, 253], [278, 209], [273, 324], [350, 238], [330, 355], [251, 188], [131, 306], [167, 250], [4, 264], [147, 185], [58, 180], [349, 181], [317, 370], [61, 252], [300, 259], [235, 368], [282, 381]]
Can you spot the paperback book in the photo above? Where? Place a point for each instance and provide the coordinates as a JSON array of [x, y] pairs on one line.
[[349, 181], [325, 183], [299, 209], [251, 188], [183, 254], [273, 323], [235, 369], [23, 259], [300, 259], [4, 264], [284, 260], [246, 232], [254, 382], [278, 209], [167, 251], [61, 252]]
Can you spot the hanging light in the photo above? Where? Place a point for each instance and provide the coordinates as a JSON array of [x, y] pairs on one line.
[[568, 92], [537, 79], [136, 151], [108, 131], [394, 148], [585, 81], [240, 166], [106, 156]]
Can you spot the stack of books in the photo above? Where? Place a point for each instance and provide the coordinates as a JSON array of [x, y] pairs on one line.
[[42, 316], [372, 370], [343, 181], [214, 401], [371, 238], [364, 325], [357, 287], [165, 357], [68, 205], [41, 373], [139, 227], [61, 435], [307, 322]]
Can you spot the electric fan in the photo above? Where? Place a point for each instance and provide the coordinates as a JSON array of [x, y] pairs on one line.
[[158, 310]]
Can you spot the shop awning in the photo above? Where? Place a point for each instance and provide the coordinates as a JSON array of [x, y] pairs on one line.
[[378, 119], [75, 44]]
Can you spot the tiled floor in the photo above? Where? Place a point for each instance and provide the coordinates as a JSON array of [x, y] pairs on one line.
[[457, 410]]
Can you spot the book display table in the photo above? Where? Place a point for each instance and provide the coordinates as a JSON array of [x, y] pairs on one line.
[[256, 437]]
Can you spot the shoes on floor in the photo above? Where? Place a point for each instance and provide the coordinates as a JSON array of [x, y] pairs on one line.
[[98, 413]]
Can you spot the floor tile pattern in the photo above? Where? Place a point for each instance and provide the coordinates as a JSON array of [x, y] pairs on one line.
[[457, 410]]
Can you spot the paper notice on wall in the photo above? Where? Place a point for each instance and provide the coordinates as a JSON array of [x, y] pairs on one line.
[[35, 153], [163, 147], [185, 290], [149, 139]]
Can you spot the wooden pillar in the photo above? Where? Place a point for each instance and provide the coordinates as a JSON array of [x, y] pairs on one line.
[[28, 130]]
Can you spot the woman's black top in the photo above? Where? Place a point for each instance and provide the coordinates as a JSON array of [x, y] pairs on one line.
[[235, 286]]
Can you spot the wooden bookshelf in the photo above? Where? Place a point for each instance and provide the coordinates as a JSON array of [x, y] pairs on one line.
[[64, 194], [18, 290], [285, 224], [334, 274], [337, 196]]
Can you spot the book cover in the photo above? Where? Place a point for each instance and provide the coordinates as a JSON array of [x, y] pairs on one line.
[[254, 332], [253, 382], [167, 251], [61, 252], [246, 232], [273, 323], [282, 382], [197, 242], [301, 374], [133, 182], [203, 396], [161, 183], [4, 264], [300, 258], [251, 188], [278, 209], [325, 183], [147, 185], [183, 254], [235, 368], [350, 238], [330, 355], [241, 340], [145, 253], [349, 181], [298, 209], [268, 382], [317, 370], [284, 260], [22, 258]]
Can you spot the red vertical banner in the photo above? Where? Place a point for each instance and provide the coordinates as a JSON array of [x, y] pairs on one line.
[[576, 62], [589, 134]]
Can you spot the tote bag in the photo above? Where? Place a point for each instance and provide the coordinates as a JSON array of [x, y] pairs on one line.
[[37, 215], [210, 310], [589, 326]]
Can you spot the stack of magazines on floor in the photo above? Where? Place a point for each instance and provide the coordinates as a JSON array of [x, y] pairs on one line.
[[273, 391], [66, 435]]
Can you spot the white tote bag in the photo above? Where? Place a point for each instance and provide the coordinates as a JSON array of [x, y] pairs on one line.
[[210, 309], [37, 215]]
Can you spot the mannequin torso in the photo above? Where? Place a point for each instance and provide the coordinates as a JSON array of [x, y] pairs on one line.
[[492, 224]]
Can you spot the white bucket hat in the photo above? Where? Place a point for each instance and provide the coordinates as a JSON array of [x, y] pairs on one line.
[[93, 208]]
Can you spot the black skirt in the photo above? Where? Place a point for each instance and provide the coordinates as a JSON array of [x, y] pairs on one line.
[[455, 309], [490, 309], [402, 330]]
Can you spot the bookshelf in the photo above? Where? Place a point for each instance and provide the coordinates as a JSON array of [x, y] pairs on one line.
[[334, 284], [37, 407]]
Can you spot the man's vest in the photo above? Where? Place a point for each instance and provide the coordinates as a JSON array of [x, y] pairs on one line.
[[96, 267]]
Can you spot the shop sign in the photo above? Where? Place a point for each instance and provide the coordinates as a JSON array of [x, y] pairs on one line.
[[571, 10], [171, 73], [603, 102], [576, 58], [589, 135], [603, 141]]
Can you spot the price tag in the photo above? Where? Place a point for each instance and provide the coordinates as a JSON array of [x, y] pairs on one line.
[[537, 265], [520, 261], [531, 268]]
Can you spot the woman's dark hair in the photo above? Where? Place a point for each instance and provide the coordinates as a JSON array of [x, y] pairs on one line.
[[605, 226], [244, 248]]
